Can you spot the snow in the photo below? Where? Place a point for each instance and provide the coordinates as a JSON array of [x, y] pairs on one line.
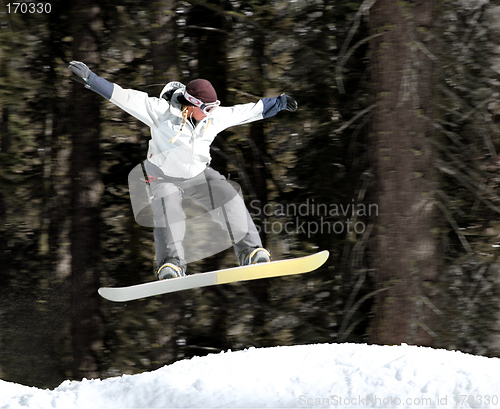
[[304, 376]]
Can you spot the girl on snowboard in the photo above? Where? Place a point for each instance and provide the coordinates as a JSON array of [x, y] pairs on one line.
[[184, 121]]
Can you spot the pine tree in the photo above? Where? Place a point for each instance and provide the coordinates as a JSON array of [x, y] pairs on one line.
[[405, 253], [86, 188]]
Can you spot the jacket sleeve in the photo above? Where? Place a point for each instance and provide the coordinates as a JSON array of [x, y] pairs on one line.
[[138, 104], [245, 113], [100, 85], [271, 106]]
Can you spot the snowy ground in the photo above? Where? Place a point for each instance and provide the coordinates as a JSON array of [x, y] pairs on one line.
[[327, 375]]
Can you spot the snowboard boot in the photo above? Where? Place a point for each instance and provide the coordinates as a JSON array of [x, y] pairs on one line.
[[254, 256], [169, 270]]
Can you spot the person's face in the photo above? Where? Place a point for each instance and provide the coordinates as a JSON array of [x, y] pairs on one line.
[[196, 113]]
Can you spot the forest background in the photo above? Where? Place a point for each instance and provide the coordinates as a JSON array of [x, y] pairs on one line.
[[390, 163]]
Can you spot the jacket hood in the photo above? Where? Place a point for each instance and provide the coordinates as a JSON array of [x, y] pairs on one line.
[[175, 89]]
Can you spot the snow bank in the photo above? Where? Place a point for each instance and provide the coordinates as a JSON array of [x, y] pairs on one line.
[[327, 375]]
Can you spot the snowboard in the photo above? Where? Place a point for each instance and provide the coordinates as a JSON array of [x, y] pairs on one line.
[[230, 275]]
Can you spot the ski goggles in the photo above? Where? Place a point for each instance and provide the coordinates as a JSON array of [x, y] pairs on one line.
[[206, 107]]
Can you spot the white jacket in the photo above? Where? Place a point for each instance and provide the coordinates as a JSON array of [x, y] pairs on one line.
[[189, 155]]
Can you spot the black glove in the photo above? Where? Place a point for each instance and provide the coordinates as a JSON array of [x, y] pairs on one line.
[[168, 95], [171, 88], [291, 104], [81, 72]]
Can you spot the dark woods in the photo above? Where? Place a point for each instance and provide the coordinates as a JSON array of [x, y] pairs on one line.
[[390, 163]]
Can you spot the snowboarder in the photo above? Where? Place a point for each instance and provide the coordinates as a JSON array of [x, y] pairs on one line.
[[184, 121]]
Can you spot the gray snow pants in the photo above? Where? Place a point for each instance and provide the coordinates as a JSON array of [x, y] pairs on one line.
[[215, 195]]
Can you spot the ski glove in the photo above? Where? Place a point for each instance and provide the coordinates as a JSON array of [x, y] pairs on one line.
[[169, 90], [291, 104], [83, 75], [81, 72]]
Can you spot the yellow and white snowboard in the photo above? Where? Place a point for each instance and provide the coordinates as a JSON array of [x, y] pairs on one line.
[[230, 275]]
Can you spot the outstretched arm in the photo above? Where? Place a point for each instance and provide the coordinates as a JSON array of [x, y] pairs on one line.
[[136, 103], [264, 108], [83, 75]]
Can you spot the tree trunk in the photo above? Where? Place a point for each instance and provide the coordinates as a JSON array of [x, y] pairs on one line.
[[166, 69], [163, 42], [4, 128], [210, 34], [5, 148], [86, 325], [257, 154], [405, 247]]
